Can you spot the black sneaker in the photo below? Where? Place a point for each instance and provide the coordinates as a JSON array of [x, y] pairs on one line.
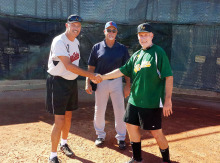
[[54, 160], [133, 161], [67, 151], [121, 144], [99, 142]]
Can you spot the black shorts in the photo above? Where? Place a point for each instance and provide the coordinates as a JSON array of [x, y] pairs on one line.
[[62, 95], [147, 119]]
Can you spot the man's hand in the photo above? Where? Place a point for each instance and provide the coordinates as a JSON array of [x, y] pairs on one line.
[[97, 79], [167, 108], [88, 88], [126, 91]]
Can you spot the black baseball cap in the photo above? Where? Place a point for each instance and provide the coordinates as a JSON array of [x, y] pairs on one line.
[[144, 27], [74, 18]]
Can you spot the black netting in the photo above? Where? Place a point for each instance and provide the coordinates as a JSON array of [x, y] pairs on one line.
[[195, 54], [121, 11], [189, 31]]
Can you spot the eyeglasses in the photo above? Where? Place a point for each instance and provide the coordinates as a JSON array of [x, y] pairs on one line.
[[74, 19], [113, 31]]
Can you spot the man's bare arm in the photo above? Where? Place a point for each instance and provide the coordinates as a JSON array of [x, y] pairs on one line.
[[167, 109], [112, 75], [127, 86], [88, 86], [75, 69]]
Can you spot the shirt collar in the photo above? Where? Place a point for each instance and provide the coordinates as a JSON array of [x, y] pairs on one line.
[[116, 44], [148, 47]]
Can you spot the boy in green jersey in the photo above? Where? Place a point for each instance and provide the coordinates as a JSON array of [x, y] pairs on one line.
[[151, 92]]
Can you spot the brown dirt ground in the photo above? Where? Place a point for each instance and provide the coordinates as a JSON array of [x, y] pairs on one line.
[[193, 132]]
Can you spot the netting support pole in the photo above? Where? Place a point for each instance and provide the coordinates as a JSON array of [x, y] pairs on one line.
[[35, 8], [79, 7], [15, 7]]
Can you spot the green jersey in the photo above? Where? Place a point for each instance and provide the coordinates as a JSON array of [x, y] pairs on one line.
[[147, 69]]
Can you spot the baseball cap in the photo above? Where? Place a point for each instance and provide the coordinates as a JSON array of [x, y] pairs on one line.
[[74, 18], [144, 27], [110, 23]]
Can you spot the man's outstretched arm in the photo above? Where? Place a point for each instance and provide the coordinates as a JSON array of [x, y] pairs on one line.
[[112, 75]]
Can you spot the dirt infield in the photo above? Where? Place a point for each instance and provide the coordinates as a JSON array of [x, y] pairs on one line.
[[193, 132]]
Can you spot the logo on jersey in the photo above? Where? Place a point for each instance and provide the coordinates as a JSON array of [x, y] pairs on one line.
[[144, 64], [74, 57], [137, 68]]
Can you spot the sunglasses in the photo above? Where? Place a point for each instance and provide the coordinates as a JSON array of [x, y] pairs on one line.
[[113, 31], [74, 19]]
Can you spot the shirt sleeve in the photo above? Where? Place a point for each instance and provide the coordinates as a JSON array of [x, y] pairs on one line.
[[164, 65], [92, 61], [127, 68], [59, 49]]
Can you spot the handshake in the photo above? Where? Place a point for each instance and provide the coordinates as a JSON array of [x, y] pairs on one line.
[[97, 78]]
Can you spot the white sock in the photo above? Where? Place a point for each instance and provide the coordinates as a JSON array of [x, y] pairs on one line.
[[63, 142], [52, 155]]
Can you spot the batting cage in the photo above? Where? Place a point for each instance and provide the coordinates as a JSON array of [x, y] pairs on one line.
[[188, 30]]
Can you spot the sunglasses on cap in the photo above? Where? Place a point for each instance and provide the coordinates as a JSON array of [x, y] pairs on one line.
[[74, 18], [113, 31]]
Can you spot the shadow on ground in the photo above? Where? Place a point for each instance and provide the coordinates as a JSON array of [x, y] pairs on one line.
[[18, 107]]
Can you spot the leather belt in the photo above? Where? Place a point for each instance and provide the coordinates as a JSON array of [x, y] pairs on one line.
[[55, 77]]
